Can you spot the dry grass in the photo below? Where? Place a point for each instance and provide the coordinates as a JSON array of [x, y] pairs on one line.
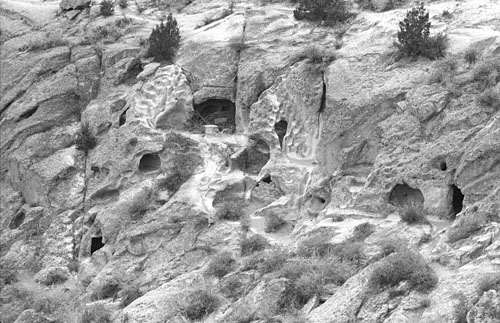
[[253, 244], [221, 265], [49, 39]]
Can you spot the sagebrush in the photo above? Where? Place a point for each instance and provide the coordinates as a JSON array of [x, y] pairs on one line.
[[328, 12]]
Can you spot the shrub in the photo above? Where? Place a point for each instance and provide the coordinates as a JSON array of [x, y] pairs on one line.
[[107, 8], [489, 282], [129, 294], [232, 287], [221, 265], [490, 98], [487, 73], [273, 223], [229, 211], [412, 212], [444, 71], [123, 4], [328, 12], [199, 304], [107, 289], [267, 262], [403, 266], [85, 140], [44, 41], [164, 40], [471, 55], [95, 314], [414, 39], [317, 55], [252, 244]]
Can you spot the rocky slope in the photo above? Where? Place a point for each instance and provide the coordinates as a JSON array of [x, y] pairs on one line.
[[337, 148]]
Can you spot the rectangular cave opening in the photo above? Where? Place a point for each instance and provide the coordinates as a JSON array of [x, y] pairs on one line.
[[96, 243], [218, 112]]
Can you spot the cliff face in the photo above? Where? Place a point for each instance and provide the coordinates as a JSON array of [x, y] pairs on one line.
[[320, 158]]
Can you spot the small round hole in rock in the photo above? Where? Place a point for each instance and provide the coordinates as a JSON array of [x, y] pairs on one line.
[[281, 127], [149, 163], [443, 166], [96, 244], [17, 220], [266, 179]]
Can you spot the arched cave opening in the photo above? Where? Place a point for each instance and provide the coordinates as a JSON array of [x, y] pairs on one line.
[[95, 244], [255, 155], [17, 220], [215, 112], [280, 128], [149, 163], [266, 179], [457, 200], [402, 195]]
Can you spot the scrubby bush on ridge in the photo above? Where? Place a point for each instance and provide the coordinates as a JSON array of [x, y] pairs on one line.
[[252, 244], [107, 8], [221, 265], [328, 12], [199, 304], [85, 140]]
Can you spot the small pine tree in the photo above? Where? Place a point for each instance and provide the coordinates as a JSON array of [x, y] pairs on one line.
[[414, 32], [414, 39], [164, 40], [328, 12], [107, 8]]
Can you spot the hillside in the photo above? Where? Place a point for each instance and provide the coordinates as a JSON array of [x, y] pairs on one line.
[[276, 170]]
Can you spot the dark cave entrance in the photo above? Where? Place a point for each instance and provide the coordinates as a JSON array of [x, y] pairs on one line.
[[17, 220], [215, 112], [443, 166], [457, 200], [280, 127], [149, 163], [95, 244], [403, 195], [123, 118]]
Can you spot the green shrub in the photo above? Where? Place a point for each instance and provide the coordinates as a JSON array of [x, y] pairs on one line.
[[403, 266], [232, 287], [85, 140], [487, 73], [107, 8], [317, 55], [412, 212], [471, 55], [273, 223], [221, 265], [129, 294], [489, 282], [253, 244], [164, 40], [107, 289], [44, 41], [123, 4], [229, 211], [199, 304], [95, 314], [490, 98], [414, 39], [328, 12]]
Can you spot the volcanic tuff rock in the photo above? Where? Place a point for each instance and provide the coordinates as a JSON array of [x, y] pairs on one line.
[[336, 146]]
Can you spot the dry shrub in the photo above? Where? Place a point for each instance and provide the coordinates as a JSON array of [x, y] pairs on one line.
[[221, 265], [253, 244], [273, 223], [487, 73], [317, 55], [489, 98], [471, 56], [49, 39], [412, 212], [199, 304], [403, 266]]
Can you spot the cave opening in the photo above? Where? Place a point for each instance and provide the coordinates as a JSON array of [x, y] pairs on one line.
[[457, 200], [17, 220], [215, 112], [123, 118], [27, 114], [443, 166], [95, 244], [149, 163], [280, 128], [404, 195], [266, 179]]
